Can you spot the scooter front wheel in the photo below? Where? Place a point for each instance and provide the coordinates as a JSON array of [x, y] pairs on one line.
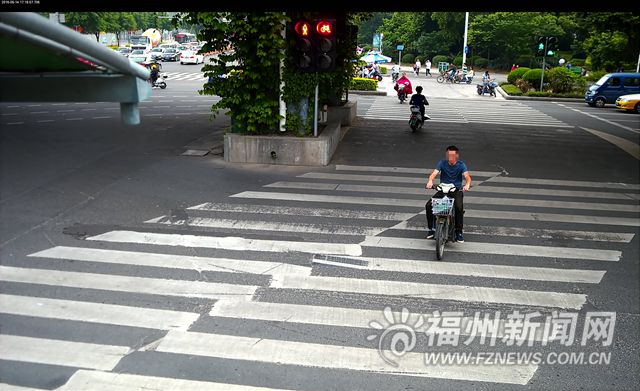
[[441, 239]]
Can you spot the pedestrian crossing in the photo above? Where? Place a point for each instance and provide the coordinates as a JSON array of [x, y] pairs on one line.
[[462, 111], [188, 76], [265, 279]]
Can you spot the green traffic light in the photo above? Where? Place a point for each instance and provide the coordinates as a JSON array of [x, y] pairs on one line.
[[541, 46], [550, 53]]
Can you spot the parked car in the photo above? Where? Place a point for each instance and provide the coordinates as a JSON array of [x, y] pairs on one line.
[[610, 87], [629, 102], [170, 55], [191, 57]]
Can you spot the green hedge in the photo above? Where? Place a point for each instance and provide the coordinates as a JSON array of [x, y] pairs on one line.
[[511, 89], [516, 74], [409, 58], [362, 84], [532, 76], [550, 94], [595, 75], [440, 58], [383, 70], [458, 61]]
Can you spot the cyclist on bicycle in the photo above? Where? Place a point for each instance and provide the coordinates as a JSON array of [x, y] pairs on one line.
[[451, 170]]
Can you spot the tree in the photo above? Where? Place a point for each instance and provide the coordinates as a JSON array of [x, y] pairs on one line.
[[117, 22], [91, 22], [605, 48], [509, 34], [370, 26]]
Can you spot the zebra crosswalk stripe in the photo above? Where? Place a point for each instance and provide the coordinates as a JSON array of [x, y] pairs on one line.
[[466, 269], [128, 284], [462, 293], [230, 243], [464, 111], [110, 381], [57, 352], [332, 356], [497, 248], [170, 260], [96, 312]]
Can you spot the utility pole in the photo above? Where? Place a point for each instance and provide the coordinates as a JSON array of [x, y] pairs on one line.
[[464, 45], [544, 54]]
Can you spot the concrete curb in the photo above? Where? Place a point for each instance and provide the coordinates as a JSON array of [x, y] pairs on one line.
[[539, 98], [283, 150], [356, 92]]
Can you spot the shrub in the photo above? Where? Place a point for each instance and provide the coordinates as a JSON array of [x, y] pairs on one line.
[[533, 77], [480, 62], [595, 75], [458, 61], [383, 70], [538, 93], [440, 58], [362, 84], [516, 74], [522, 85], [577, 62], [560, 79], [511, 89], [409, 58]]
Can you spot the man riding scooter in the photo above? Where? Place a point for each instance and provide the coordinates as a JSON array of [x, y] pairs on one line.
[[403, 87]]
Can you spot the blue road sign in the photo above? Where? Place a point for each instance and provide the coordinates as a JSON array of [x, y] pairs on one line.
[[400, 47]]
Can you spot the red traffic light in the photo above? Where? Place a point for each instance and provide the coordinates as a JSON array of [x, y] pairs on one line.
[[324, 28], [302, 28]]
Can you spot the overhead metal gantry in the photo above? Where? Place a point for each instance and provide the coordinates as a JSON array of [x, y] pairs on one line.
[[43, 61]]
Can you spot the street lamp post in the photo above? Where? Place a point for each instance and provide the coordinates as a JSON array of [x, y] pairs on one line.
[[464, 45]]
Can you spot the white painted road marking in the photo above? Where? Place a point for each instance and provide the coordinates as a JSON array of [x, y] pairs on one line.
[[629, 147], [297, 211], [462, 293], [110, 381], [497, 248], [96, 312], [56, 352], [474, 270], [333, 356], [230, 243], [154, 286], [171, 261]]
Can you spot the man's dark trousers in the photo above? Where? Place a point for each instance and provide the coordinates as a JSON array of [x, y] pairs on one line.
[[458, 206]]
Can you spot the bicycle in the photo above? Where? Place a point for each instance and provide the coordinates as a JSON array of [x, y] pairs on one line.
[[444, 76], [444, 215]]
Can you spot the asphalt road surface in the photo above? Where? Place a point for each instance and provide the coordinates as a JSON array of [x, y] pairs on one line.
[[125, 262]]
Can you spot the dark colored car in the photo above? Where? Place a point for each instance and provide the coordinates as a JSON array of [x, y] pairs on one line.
[[170, 55]]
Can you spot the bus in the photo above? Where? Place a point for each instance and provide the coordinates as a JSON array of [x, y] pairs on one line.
[[185, 38]]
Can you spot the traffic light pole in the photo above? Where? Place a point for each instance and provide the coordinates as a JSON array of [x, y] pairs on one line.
[[544, 54], [315, 113]]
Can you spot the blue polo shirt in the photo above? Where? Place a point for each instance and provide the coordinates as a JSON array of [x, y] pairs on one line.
[[451, 173]]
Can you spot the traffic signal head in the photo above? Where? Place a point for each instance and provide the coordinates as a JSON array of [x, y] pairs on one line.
[[315, 45], [325, 45], [552, 46], [541, 44], [303, 56]]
